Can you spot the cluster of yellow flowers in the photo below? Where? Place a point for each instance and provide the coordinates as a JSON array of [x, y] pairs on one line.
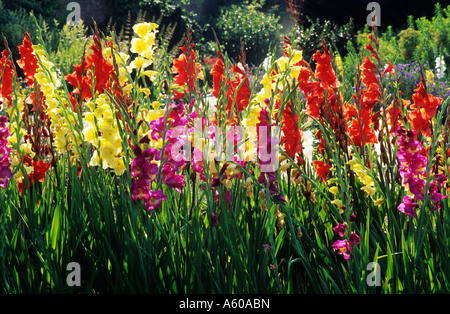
[[102, 131], [339, 64], [62, 118], [270, 78], [366, 180], [335, 191], [144, 46]]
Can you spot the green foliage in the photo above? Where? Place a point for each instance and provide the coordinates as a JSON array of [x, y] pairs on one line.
[[311, 37], [172, 18], [426, 39], [44, 8], [257, 31], [71, 44], [14, 24]]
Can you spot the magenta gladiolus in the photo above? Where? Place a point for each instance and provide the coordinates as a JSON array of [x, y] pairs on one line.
[[340, 229], [155, 199], [354, 239], [413, 172], [5, 161], [343, 248], [408, 207]]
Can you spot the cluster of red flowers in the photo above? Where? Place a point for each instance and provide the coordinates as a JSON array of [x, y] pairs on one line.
[[236, 89], [94, 65], [187, 71], [7, 68]]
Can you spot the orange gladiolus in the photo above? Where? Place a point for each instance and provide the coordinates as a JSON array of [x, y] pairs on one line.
[[187, 71], [6, 88], [322, 169], [28, 61], [425, 107]]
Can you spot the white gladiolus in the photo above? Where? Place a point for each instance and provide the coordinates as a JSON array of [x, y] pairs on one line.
[[440, 67], [308, 148]]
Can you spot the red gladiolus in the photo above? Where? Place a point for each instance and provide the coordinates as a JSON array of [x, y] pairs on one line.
[[324, 101], [241, 86], [6, 66], [94, 62], [187, 71], [218, 75], [237, 89], [389, 69], [292, 138], [322, 169], [395, 115], [360, 117], [324, 71], [28, 61], [425, 107], [38, 174], [40, 169]]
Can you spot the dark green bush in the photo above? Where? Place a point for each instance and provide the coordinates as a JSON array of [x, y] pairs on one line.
[[259, 32], [15, 22], [311, 37]]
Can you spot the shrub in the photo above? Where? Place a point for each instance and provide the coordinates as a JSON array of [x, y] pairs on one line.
[[15, 22], [335, 36], [257, 31], [70, 47], [426, 39]]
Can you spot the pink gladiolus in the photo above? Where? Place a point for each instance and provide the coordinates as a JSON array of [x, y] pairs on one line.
[[413, 172], [408, 207], [5, 161], [340, 229], [343, 248], [155, 199]]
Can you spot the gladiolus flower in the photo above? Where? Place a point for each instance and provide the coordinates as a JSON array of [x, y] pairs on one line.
[[322, 169], [155, 199], [425, 107], [6, 66], [343, 248], [28, 61], [408, 207], [340, 229], [187, 71]]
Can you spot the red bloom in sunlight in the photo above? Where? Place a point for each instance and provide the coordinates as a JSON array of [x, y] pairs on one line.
[[324, 101], [242, 91], [40, 169], [394, 114], [324, 70], [81, 82], [313, 92], [237, 88], [389, 69], [322, 169], [292, 138], [371, 94], [28, 61], [102, 71], [38, 174], [360, 117], [218, 75], [6, 88], [425, 107], [187, 70], [360, 130]]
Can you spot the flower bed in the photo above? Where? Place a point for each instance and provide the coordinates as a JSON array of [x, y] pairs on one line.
[[265, 182]]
